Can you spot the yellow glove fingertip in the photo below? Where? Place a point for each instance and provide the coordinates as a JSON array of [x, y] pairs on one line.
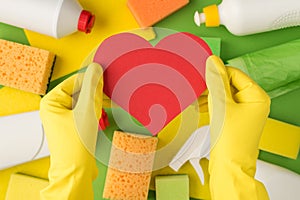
[[98, 71], [91, 93], [95, 68], [217, 80], [216, 66]]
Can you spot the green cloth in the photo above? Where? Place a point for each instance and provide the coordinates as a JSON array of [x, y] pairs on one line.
[[275, 69]]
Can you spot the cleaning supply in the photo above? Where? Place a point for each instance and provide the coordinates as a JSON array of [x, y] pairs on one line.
[[24, 67], [23, 187], [194, 149], [276, 69], [280, 138], [149, 12], [56, 18], [243, 17], [175, 187], [280, 183], [22, 139], [130, 166], [238, 110], [70, 113]]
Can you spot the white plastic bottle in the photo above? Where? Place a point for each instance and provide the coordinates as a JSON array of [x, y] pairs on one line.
[[56, 18], [280, 182], [22, 139], [244, 17]]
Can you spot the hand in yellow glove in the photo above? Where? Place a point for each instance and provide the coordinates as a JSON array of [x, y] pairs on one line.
[[70, 115], [238, 110]]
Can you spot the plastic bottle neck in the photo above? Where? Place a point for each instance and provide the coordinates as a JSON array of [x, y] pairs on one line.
[[210, 16]]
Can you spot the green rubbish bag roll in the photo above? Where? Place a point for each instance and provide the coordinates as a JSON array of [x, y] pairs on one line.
[[275, 69]]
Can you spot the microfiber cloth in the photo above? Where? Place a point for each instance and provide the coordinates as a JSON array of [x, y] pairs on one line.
[[275, 69]]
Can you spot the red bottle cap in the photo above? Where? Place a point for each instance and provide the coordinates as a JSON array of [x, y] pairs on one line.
[[85, 21]]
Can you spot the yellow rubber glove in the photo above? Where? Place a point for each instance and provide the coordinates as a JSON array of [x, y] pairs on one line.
[[238, 110], [70, 115]]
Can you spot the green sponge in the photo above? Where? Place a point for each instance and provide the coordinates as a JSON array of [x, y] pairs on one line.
[[175, 187]]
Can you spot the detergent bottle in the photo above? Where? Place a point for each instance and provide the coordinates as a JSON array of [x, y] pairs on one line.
[[56, 18], [22, 139], [244, 17]]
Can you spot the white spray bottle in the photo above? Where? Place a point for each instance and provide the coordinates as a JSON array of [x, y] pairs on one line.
[[56, 18], [244, 17]]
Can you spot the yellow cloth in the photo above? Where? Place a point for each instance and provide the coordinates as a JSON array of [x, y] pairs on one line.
[[238, 110], [70, 114]]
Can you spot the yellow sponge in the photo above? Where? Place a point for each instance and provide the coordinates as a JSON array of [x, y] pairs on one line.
[[280, 138], [23, 187], [148, 12], [130, 165], [24, 67]]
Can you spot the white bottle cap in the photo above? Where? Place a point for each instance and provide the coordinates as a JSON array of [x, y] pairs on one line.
[[199, 18]]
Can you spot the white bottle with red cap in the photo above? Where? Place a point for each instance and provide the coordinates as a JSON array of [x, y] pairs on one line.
[[244, 17], [56, 18]]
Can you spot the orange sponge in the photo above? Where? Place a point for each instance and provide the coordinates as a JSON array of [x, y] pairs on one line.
[[130, 165], [24, 67], [148, 12]]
